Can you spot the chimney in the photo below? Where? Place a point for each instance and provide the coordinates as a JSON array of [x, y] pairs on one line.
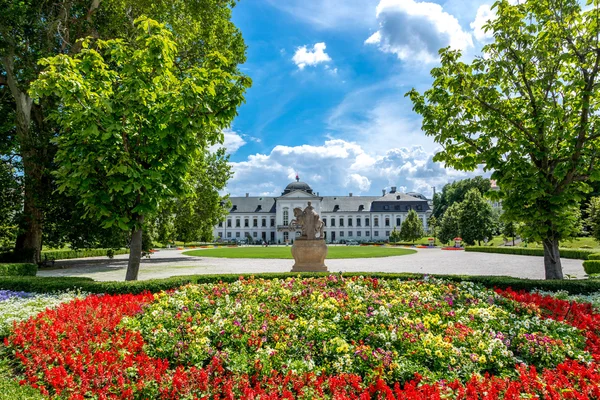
[[393, 189], [383, 191], [247, 194], [350, 194]]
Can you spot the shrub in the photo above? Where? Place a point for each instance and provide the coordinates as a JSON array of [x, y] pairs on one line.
[[67, 254], [591, 266], [18, 269], [46, 285], [578, 254], [595, 256]]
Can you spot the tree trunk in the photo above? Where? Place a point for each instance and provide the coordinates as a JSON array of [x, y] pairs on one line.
[[135, 251], [30, 241], [552, 265]]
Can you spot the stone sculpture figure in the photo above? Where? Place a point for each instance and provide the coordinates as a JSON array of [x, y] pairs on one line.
[[308, 221], [309, 249]]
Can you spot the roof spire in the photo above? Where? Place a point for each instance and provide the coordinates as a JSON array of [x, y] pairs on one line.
[[297, 178]]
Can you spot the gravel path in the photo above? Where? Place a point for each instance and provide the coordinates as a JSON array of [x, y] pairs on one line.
[[166, 263]]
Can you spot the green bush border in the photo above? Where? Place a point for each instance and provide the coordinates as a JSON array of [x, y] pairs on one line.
[[591, 267], [67, 254], [18, 269], [45, 284], [595, 256], [578, 254]]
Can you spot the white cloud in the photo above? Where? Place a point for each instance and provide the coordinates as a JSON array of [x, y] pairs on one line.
[[484, 14], [304, 57], [415, 31], [232, 141], [339, 167]]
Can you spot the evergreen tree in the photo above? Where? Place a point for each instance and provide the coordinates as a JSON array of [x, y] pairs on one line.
[[449, 227], [412, 227], [475, 218]]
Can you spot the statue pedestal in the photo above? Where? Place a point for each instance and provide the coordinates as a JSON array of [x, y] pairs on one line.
[[309, 255]]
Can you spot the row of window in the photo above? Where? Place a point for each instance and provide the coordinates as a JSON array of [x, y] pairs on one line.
[[351, 221], [238, 223], [285, 234]]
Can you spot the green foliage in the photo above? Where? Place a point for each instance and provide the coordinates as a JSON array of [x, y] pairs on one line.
[[68, 254], [527, 110], [475, 218], [449, 227], [16, 256], [412, 227], [579, 254], [19, 269], [134, 121], [595, 256], [10, 201], [48, 285], [455, 192], [395, 236], [591, 267], [10, 388], [593, 219]]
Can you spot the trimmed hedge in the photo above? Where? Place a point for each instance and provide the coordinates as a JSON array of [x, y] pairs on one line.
[[21, 256], [44, 285], [591, 267], [67, 254], [18, 269], [578, 254], [595, 256]]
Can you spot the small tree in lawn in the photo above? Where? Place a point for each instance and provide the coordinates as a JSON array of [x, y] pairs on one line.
[[134, 121], [412, 227], [450, 227], [593, 219], [394, 236], [475, 218], [528, 110]]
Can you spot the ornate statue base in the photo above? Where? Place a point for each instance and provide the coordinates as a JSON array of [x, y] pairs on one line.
[[309, 255]]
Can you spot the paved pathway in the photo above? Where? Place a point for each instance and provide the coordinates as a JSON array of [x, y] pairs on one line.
[[167, 263]]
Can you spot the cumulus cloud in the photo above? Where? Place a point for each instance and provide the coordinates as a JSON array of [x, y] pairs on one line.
[[484, 14], [338, 167], [232, 141], [415, 31], [316, 55]]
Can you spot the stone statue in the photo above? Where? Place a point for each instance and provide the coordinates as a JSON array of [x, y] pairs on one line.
[[309, 249], [309, 222]]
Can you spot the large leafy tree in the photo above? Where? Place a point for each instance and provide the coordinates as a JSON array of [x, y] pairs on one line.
[[475, 218], [412, 227], [528, 109], [31, 30], [449, 226], [455, 193], [134, 123]]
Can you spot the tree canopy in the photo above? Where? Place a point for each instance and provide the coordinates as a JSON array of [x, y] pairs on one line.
[[31, 30], [455, 193], [528, 110], [412, 227], [134, 122], [475, 218]]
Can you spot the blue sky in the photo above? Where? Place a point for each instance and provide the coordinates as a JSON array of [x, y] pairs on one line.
[[327, 100]]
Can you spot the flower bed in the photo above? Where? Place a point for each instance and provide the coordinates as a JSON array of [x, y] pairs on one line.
[[314, 338], [452, 248]]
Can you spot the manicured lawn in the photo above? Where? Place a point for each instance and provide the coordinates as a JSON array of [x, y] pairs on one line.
[[285, 252]]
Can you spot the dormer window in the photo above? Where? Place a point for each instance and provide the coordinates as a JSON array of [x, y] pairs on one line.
[[397, 208], [386, 207], [419, 207], [361, 207], [234, 208], [336, 207]]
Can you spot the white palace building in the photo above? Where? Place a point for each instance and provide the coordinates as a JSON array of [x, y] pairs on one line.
[[357, 218]]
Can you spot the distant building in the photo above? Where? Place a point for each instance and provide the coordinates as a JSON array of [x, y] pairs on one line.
[[359, 218]]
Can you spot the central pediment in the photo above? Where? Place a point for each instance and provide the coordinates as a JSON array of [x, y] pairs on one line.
[[295, 194]]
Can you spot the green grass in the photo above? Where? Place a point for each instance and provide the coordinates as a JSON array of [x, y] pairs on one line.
[[577, 243], [285, 252]]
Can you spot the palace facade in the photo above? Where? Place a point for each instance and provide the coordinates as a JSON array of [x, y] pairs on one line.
[[357, 218]]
